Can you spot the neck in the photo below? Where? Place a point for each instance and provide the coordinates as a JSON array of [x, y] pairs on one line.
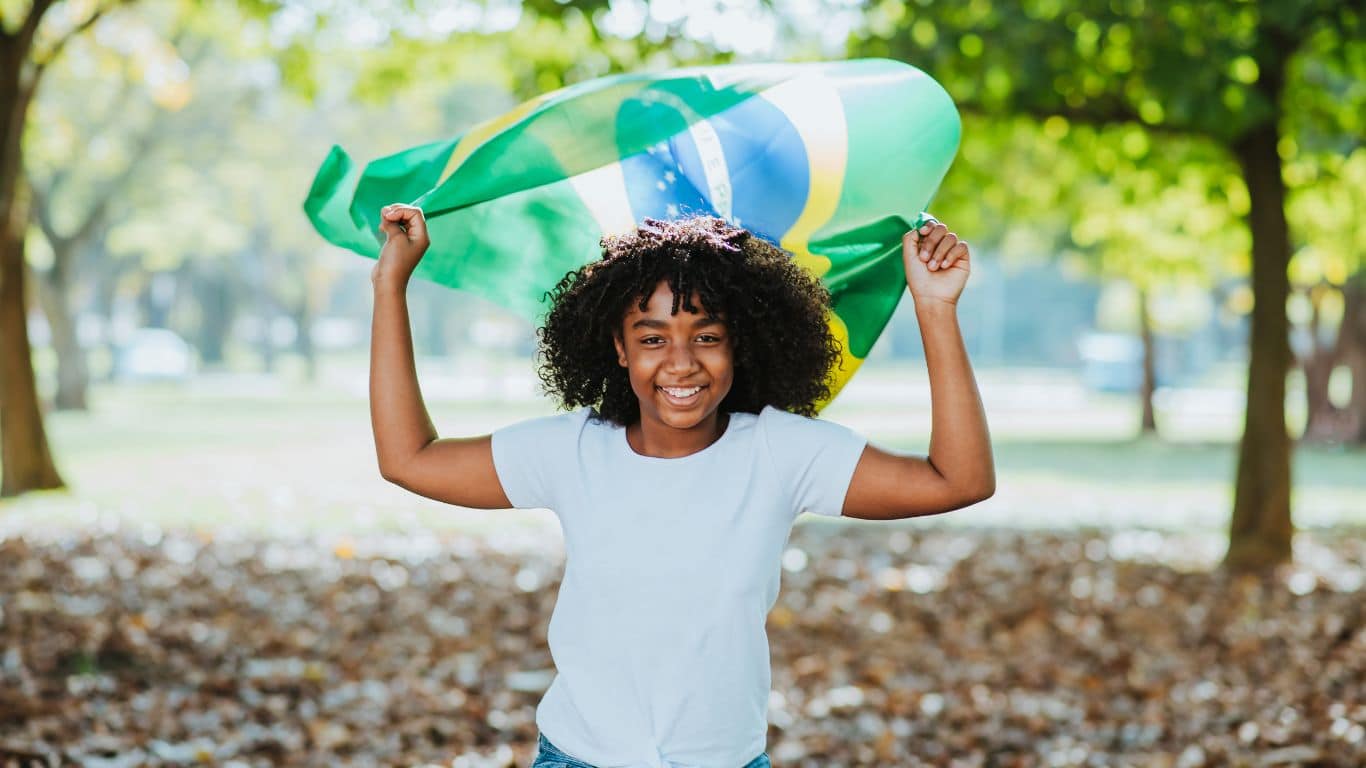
[[650, 437]]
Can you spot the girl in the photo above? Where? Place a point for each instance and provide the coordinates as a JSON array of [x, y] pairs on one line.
[[693, 355]]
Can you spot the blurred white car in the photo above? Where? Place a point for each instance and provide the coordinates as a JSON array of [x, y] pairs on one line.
[[154, 353], [1111, 362]]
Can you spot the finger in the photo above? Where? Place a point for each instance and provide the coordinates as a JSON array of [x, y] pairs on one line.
[[414, 223], [407, 219], [957, 252], [399, 211], [931, 241], [942, 248], [409, 215]]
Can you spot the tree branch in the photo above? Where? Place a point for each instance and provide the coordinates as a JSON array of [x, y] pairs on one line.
[[143, 147], [111, 116], [40, 63], [42, 214], [29, 29], [106, 195]]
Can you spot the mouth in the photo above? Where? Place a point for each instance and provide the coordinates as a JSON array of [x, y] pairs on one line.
[[682, 395]]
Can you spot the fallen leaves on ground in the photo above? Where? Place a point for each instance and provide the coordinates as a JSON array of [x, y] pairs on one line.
[[891, 646]]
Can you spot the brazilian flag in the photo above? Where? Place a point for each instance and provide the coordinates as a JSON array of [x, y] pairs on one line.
[[830, 160]]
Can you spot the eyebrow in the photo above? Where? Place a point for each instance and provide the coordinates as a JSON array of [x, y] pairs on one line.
[[698, 323]]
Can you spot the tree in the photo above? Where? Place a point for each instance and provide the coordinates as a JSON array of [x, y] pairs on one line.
[[1110, 202], [25, 55], [74, 204], [1218, 70], [552, 43], [1162, 220], [1328, 194]]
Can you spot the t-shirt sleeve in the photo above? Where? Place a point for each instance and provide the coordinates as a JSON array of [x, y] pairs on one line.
[[814, 459], [532, 456]]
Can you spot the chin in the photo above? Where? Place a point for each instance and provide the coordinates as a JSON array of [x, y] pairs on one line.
[[683, 418]]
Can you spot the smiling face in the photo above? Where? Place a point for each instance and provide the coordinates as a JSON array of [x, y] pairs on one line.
[[680, 365]]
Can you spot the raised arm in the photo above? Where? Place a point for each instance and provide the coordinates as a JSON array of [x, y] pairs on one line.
[[411, 455], [959, 469]]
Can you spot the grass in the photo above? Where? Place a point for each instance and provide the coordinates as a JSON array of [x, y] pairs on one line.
[[271, 455]]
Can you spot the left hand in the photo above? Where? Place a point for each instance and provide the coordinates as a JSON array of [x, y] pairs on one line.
[[936, 263]]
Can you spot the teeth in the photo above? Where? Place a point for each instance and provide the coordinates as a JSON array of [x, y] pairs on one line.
[[682, 392]]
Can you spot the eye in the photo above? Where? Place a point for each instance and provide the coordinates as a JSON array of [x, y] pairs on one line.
[[708, 338], [651, 340]]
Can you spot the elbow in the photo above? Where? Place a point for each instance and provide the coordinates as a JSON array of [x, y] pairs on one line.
[[391, 473], [981, 484], [395, 467], [985, 491], [976, 493]]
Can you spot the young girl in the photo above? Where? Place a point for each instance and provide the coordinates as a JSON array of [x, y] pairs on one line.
[[693, 355]]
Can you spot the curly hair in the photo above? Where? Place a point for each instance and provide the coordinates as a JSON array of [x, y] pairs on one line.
[[775, 311]]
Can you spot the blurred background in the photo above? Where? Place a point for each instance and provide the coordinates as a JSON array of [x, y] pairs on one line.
[[199, 561]]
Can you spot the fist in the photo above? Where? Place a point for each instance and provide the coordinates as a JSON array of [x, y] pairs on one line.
[[406, 240], [936, 263]]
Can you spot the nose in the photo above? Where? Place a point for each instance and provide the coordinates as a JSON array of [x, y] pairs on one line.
[[681, 359]]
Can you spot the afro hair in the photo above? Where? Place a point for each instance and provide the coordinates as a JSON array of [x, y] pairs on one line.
[[775, 311]]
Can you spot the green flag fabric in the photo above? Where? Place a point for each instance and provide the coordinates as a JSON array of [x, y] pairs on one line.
[[830, 160]]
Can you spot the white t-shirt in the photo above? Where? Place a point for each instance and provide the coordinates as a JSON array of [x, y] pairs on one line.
[[671, 566]]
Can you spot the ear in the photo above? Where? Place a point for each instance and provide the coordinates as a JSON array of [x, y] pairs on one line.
[[621, 350]]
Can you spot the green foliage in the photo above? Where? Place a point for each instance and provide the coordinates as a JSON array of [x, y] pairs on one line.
[[1099, 129], [547, 49], [12, 13], [1189, 66], [296, 63], [1328, 203]]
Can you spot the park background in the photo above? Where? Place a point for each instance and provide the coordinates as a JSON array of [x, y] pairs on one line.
[[1167, 315]]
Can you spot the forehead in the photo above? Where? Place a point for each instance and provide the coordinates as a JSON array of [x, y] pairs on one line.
[[660, 305]]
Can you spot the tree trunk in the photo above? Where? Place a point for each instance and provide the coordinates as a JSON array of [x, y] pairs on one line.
[[263, 267], [73, 377], [156, 299], [1352, 346], [25, 460], [302, 314], [105, 273], [24, 454], [211, 286], [1145, 393], [1324, 421], [266, 341], [1261, 529]]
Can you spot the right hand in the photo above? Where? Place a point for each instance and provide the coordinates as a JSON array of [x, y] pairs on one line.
[[404, 245]]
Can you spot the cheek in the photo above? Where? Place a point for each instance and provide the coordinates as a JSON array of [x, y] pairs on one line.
[[641, 371], [721, 364]]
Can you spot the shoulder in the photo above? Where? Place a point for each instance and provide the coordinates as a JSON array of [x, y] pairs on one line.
[[549, 428], [780, 421], [785, 431], [770, 415], [576, 418]]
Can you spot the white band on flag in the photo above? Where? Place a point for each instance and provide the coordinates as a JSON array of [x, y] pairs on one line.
[[714, 166]]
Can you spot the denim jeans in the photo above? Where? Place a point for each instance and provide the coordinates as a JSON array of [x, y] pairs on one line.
[[549, 756]]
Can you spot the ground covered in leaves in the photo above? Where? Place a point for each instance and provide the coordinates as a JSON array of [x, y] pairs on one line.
[[892, 646]]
